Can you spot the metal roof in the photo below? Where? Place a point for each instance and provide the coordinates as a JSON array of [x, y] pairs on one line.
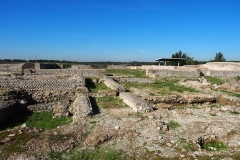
[[170, 59]]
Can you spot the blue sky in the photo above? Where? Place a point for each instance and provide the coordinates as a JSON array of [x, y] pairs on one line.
[[119, 30]]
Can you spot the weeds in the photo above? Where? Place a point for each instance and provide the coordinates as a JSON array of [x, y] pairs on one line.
[[213, 114], [173, 124], [215, 80], [214, 146], [110, 102]]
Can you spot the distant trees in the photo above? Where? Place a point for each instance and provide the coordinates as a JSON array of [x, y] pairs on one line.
[[219, 57], [180, 54]]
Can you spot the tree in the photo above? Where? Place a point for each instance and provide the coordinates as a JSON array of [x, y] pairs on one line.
[[219, 57], [180, 54]]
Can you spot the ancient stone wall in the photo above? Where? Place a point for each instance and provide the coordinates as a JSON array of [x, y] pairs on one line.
[[47, 66], [134, 80], [81, 107], [47, 106], [221, 73], [16, 68], [81, 67], [117, 67], [173, 72], [50, 84], [82, 72], [109, 82], [155, 67], [135, 102]]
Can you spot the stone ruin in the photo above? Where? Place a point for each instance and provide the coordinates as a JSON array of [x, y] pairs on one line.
[[54, 89]]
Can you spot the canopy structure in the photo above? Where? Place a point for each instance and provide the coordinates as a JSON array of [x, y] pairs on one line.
[[165, 60]]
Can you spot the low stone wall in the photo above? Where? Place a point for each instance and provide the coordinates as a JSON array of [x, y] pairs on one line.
[[117, 67], [49, 84], [47, 66], [81, 72], [174, 72], [81, 67], [186, 99], [135, 102], [16, 68], [81, 107], [7, 109], [155, 67], [109, 82], [47, 106], [220, 73], [134, 80]]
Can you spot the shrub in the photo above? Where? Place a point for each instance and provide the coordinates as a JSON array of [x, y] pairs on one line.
[[214, 145], [173, 124]]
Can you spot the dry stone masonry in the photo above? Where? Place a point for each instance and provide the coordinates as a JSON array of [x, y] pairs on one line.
[[109, 82], [136, 103], [134, 80], [81, 107]]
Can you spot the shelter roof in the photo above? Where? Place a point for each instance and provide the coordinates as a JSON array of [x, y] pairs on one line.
[[170, 59]]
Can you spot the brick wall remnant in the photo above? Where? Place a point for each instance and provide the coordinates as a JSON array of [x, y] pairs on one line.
[[81, 107], [135, 102], [109, 82], [61, 109]]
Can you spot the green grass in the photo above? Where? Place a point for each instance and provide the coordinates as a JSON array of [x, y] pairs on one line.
[[231, 93], [213, 114], [214, 145], [95, 87], [110, 102], [45, 120], [127, 73], [173, 124], [235, 112], [161, 87], [238, 77], [185, 145], [97, 154], [214, 80]]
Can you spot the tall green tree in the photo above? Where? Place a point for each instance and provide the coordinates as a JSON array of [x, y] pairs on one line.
[[180, 54], [219, 57]]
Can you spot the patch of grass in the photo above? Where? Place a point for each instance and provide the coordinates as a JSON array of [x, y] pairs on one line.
[[97, 154], [213, 114], [173, 124], [45, 120], [95, 87], [161, 87], [17, 144], [214, 146], [185, 145], [215, 106], [231, 93], [110, 102], [127, 73], [238, 77], [235, 112], [214, 80]]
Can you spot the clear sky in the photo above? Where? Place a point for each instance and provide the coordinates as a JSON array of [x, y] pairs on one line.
[[119, 30]]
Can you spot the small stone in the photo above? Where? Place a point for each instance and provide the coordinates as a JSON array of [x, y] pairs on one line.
[[117, 127], [11, 135], [6, 140], [24, 125], [168, 144]]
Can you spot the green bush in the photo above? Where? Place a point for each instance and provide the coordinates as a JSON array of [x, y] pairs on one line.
[[215, 80]]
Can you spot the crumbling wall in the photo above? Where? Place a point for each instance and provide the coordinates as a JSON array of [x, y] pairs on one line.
[[221, 73], [135, 102], [16, 68], [47, 106], [173, 72], [47, 66], [134, 80], [80, 72], [49, 84], [81, 107], [81, 66], [109, 82], [117, 67]]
